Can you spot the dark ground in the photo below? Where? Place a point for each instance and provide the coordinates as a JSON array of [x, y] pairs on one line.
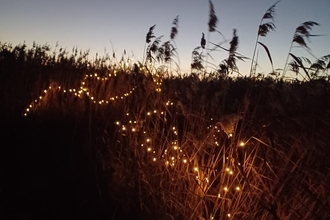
[[47, 174]]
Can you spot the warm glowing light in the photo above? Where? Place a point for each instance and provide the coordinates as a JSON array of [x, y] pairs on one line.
[[149, 149], [154, 159], [117, 123], [148, 139], [218, 195], [229, 215], [231, 172], [184, 160], [237, 188], [225, 188], [242, 144], [196, 169], [175, 147]]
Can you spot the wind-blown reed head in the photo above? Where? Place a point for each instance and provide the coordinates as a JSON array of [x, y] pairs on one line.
[[213, 20], [174, 30], [269, 26]]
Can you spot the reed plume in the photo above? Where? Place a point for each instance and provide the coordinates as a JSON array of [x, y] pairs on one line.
[[263, 30]]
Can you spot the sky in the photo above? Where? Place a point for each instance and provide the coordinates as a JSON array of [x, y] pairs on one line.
[[118, 25]]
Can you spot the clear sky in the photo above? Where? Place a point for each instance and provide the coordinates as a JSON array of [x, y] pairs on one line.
[[96, 24]]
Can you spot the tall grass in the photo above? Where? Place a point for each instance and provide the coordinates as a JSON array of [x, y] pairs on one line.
[[187, 146]]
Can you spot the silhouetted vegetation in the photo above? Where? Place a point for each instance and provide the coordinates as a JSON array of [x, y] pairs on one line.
[[113, 138]]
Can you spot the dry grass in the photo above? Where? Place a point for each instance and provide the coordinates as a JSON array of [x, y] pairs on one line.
[[189, 147]]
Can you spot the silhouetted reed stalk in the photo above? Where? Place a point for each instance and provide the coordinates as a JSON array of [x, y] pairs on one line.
[[301, 34], [263, 30], [212, 25]]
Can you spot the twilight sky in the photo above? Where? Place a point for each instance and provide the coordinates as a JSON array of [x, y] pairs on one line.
[[123, 24]]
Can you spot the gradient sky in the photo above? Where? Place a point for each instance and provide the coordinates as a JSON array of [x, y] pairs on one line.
[[123, 24]]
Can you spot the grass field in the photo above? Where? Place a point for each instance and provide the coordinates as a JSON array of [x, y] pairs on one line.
[[117, 139]]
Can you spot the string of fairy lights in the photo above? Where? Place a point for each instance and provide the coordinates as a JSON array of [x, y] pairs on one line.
[[173, 154]]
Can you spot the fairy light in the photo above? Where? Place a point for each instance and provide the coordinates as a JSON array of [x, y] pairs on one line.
[[237, 188], [149, 149], [154, 159], [241, 144], [225, 188], [196, 169], [229, 215], [184, 160]]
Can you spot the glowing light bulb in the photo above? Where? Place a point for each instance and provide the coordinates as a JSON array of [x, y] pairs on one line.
[[237, 188], [196, 169], [242, 144], [149, 149], [154, 159], [225, 188], [184, 160], [148, 140], [229, 215], [231, 172], [218, 195]]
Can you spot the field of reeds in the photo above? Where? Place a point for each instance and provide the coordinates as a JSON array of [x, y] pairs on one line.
[[113, 138]]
